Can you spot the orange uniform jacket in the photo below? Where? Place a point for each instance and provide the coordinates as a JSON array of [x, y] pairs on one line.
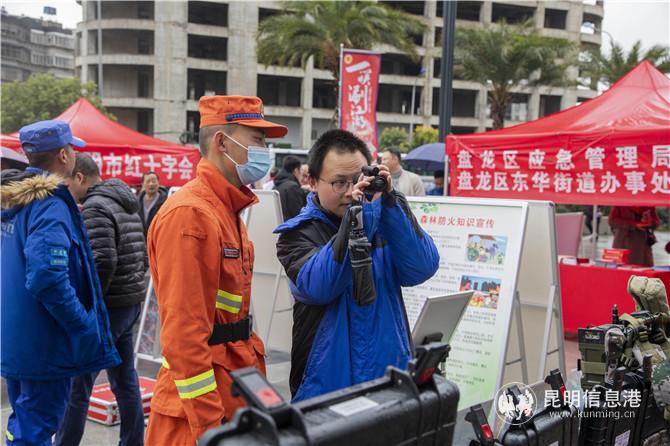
[[201, 263]]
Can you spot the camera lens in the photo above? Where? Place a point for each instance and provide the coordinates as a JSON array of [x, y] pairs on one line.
[[379, 184]]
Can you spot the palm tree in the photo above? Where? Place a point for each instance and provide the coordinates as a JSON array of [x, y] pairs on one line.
[[505, 56], [316, 29], [608, 68]]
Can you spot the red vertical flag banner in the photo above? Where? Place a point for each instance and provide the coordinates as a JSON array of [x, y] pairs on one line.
[[359, 82]]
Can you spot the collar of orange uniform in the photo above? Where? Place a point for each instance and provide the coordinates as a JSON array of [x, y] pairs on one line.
[[232, 197]]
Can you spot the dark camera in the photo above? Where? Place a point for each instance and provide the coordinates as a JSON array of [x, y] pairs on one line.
[[378, 183]]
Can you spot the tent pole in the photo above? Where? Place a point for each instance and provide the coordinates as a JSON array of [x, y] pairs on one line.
[[594, 232], [445, 188]]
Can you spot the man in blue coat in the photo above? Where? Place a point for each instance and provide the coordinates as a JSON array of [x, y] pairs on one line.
[[53, 320], [338, 339]]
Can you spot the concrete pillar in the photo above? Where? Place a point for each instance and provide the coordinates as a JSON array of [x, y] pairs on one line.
[[83, 48], [482, 99], [242, 61], [486, 12], [534, 105], [306, 102], [430, 12], [538, 18], [573, 21], [569, 98], [170, 50]]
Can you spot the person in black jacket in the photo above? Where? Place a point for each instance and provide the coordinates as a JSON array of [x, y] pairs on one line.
[[287, 182], [115, 232], [151, 198]]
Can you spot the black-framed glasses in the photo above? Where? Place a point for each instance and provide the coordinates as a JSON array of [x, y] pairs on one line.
[[339, 186]]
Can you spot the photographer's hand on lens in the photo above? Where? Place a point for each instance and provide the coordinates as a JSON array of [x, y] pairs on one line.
[[364, 182]]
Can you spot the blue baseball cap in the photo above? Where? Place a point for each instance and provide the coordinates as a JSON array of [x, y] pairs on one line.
[[43, 136]]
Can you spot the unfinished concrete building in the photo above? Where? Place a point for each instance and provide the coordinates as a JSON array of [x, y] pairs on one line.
[[154, 60]]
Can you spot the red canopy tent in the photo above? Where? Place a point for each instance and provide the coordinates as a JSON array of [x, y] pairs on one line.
[[611, 150], [11, 142], [10, 150], [122, 152]]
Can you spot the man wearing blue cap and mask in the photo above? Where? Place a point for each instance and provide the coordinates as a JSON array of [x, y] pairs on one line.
[[201, 262], [53, 319]]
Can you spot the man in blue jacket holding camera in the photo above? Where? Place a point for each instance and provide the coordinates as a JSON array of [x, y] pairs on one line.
[[53, 319], [347, 254]]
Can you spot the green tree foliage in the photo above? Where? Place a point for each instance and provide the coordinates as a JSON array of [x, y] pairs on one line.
[[42, 97], [423, 135], [609, 68], [505, 56], [316, 29], [394, 137]]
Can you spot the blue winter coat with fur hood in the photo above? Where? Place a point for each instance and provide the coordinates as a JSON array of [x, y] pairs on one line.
[[53, 320]]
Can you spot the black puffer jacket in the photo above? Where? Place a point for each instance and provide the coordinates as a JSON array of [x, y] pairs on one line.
[[117, 240], [291, 195]]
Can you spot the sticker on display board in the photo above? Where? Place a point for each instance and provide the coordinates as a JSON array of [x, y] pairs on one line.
[[354, 406], [622, 439]]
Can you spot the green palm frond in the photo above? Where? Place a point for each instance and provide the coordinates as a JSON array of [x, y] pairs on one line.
[[610, 68], [506, 55], [317, 28]]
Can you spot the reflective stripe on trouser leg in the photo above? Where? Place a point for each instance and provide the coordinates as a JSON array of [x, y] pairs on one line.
[[197, 385], [228, 301]]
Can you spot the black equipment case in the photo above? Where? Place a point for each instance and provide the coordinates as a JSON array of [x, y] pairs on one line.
[[402, 408], [555, 425], [608, 423], [651, 428]]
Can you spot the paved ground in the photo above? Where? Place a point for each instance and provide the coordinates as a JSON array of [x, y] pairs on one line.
[[96, 434], [278, 365]]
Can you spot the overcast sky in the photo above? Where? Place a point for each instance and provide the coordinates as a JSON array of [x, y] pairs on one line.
[[626, 20]]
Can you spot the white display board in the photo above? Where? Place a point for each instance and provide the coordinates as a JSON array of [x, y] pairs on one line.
[[569, 228], [271, 300], [539, 294], [480, 243]]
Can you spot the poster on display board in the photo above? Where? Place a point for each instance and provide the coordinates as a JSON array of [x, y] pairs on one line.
[[479, 242]]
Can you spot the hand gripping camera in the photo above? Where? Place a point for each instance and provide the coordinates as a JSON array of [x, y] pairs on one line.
[[379, 183]]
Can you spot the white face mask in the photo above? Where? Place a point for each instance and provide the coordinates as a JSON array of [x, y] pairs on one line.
[[257, 166]]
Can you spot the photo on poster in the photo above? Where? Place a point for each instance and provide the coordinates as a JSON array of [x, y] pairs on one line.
[[490, 249], [487, 291]]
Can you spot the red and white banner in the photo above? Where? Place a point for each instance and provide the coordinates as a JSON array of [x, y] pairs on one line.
[[602, 173], [359, 83], [173, 169]]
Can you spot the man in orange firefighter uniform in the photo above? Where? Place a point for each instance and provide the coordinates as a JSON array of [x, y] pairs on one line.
[[201, 263]]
